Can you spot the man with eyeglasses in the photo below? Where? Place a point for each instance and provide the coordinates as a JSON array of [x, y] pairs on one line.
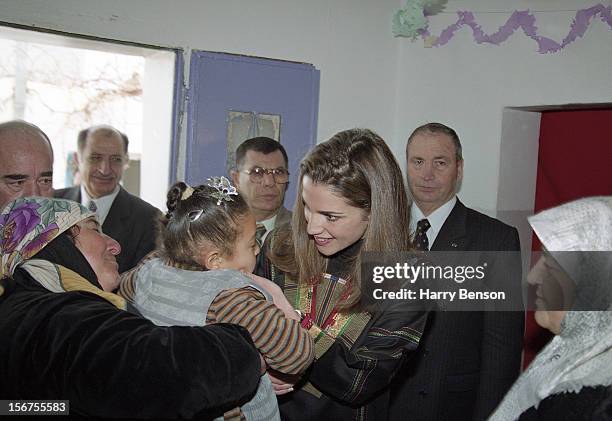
[[102, 156], [261, 176]]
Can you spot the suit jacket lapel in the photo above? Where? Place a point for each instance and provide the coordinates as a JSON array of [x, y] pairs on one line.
[[452, 235], [116, 214]]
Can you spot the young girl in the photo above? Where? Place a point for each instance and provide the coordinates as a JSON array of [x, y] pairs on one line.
[[207, 240]]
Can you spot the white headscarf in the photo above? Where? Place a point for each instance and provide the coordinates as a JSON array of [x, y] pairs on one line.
[[581, 355]]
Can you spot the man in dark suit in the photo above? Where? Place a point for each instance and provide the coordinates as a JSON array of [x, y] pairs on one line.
[[261, 176], [466, 360], [102, 157]]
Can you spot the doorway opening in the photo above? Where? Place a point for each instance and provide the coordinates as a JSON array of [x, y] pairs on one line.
[[521, 148], [550, 155]]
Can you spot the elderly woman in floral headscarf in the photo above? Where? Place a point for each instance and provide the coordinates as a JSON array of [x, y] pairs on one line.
[[44, 237], [66, 336], [570, 378]]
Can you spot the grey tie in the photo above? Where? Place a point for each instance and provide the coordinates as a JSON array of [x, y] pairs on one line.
[[259, 233], [421, 241], [92, 206]]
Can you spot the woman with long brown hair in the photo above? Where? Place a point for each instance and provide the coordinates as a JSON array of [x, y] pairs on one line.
[[351, 199]]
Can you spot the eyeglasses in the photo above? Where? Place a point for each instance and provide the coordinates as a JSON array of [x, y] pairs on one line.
[[256, 174]]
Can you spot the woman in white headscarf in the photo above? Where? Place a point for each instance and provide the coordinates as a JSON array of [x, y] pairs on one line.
[[570, 378]]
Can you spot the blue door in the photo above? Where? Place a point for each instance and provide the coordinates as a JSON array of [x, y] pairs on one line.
[[233, 98]]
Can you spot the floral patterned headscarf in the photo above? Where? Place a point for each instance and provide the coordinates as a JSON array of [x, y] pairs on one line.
[[28, 224]]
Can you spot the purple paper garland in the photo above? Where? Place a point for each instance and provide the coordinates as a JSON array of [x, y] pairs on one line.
[[525, 21]]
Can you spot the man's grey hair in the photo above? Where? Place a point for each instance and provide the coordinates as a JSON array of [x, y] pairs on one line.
[[438, 128], [105, 130]]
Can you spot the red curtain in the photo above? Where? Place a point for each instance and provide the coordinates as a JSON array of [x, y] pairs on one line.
[[574, 161]]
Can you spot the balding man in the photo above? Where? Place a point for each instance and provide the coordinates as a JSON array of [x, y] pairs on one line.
[[102, 155], [26, 162]]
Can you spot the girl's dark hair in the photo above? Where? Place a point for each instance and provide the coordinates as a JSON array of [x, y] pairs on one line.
[[198, 221]]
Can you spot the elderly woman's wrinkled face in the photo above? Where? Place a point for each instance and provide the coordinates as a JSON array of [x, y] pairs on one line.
[[100, 251], [554, 293]]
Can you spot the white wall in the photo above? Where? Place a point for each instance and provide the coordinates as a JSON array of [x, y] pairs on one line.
[[369, 78], [157, 127], [467, 85], [517, 173]]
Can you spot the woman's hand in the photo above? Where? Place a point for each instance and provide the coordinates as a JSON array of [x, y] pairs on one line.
[[277, 295], [282, 383]]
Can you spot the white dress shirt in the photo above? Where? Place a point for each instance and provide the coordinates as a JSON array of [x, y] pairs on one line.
[[436, 218], [269, 224], [103, 203]]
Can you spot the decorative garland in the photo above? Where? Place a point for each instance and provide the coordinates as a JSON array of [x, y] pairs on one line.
[[412, 22]]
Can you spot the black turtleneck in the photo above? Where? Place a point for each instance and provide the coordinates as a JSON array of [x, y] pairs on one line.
[[341, 263]]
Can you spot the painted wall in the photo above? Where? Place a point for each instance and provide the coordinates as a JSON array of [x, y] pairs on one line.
[[369, 78], [467, 85]]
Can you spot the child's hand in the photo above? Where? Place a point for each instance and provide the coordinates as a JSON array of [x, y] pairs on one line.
[[277, 295], [264, 366]]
